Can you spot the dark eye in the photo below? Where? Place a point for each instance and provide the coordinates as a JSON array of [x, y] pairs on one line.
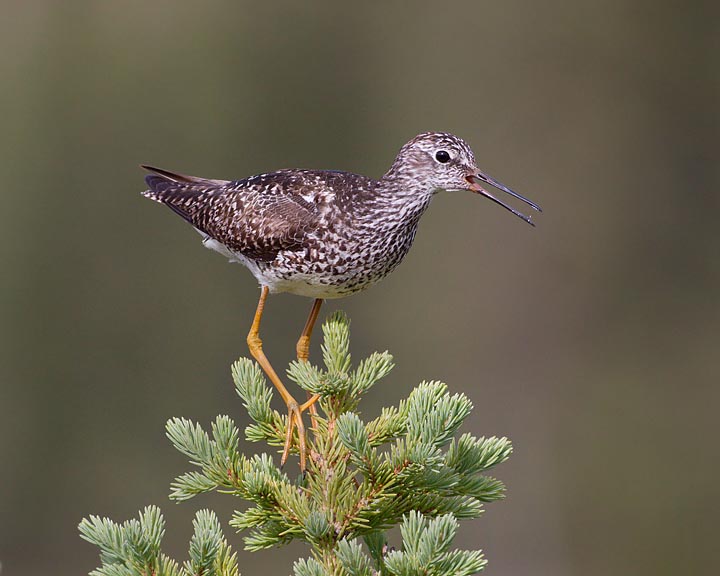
[[442, 156]]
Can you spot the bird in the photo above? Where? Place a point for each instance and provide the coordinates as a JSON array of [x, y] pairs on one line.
[[322, 234]]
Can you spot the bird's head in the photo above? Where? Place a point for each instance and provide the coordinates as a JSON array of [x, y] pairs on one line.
[[446, 162]]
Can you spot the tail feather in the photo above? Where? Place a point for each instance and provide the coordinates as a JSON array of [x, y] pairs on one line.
[[178, 192], [161, 181]]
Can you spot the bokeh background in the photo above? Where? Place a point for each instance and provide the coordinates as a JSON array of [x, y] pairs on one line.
[[591, 341]]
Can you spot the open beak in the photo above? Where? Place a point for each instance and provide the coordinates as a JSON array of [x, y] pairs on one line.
[[474, 180]]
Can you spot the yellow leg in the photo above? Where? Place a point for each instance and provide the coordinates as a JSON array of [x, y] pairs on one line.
[[303, 353], [294, 409]]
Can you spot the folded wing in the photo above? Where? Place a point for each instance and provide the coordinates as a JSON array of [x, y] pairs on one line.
[[257, 217]]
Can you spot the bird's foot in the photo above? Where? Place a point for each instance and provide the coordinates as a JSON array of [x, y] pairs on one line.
[[295, 420]]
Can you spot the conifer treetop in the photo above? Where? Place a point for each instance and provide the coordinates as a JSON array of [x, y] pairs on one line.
[[405, 467]]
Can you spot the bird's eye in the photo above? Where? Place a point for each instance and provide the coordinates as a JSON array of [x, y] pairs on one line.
[[442, 156]]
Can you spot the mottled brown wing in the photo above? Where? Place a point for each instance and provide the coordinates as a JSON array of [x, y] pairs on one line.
[[257, 217]]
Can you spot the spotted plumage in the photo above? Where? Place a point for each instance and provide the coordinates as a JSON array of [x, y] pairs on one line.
[[323, 234]]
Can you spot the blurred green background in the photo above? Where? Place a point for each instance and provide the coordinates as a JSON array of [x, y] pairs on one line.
[[591, 341]]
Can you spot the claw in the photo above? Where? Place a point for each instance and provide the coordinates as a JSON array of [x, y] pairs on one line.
[[295, 420]]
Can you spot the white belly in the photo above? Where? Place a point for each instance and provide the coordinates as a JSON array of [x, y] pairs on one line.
[[300, 284]]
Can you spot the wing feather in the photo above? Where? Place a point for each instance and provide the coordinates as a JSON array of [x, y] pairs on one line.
[[257, 217]]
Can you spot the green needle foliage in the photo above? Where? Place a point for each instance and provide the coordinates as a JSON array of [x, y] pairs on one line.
[[133, 547], [406, 467]]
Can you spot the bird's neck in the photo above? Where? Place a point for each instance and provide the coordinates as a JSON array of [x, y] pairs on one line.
[[403, 196]]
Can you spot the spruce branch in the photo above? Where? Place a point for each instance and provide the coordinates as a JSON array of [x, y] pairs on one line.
[[426, 550], [405, 467], [133, 547]]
